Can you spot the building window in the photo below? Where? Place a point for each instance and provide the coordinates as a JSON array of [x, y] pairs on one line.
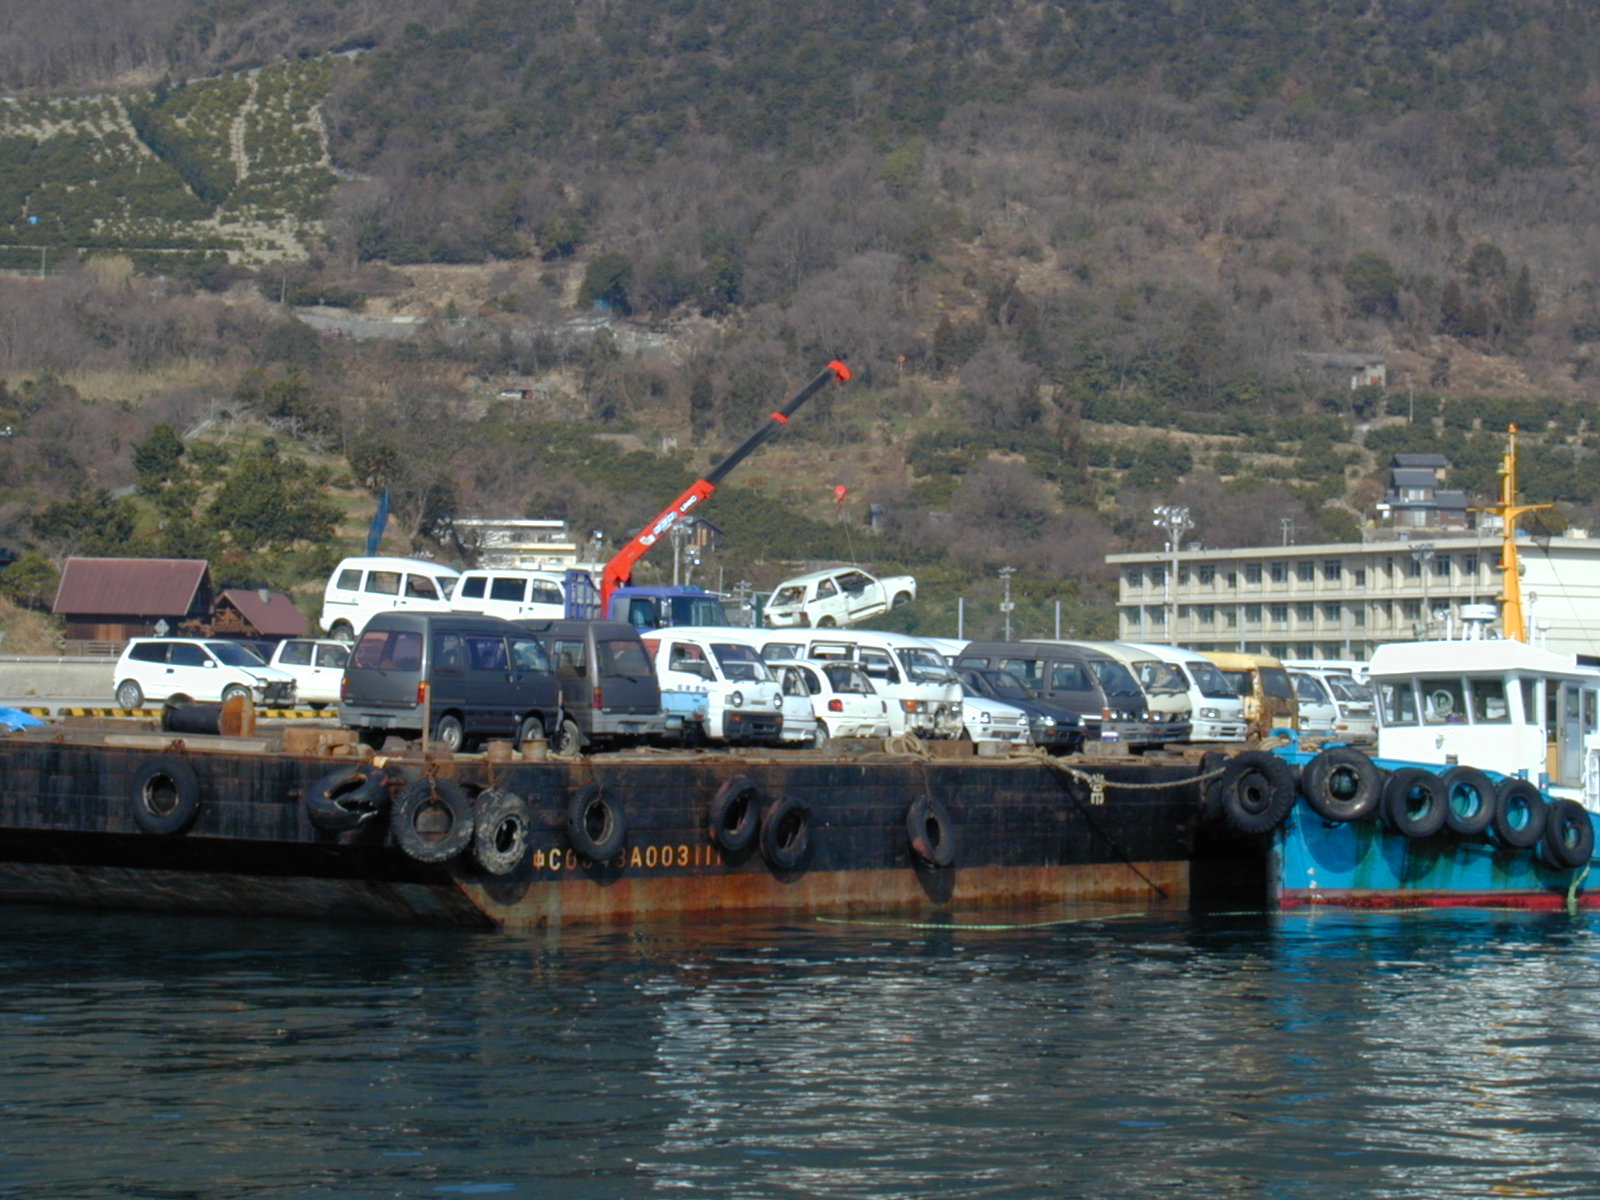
[[1230, 618], [1133, 577], [1441, 566], [1252, 614], [1358, 576], [1358, 617], [1232, 578], [1332, 570], [1411, 609], [1331, 612], [1414, 568], [1306, 572], [1157, 615], [1183, 576], [1305, 612], [1280, 572], [1252, 573], [1208, 573], [1280, 615], [1469, 565], [1207, 613]]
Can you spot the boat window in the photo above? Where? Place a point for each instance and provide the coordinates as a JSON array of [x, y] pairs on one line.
[[1530, 701], [1489, 705], [1588, 710], [1399, 703], [1442, 701]]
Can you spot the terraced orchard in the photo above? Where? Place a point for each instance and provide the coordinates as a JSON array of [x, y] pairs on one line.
[[234, 167]]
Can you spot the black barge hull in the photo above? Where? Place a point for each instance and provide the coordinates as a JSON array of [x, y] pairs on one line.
[[226, 825]]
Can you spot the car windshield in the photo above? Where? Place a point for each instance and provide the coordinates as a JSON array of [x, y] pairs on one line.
[[1113, 676], [1007, 686], [740, 662], [234, 655], [697, 610], [1158, 676], [924, 666], [788, 595], [1210, 681], [1347, 688]]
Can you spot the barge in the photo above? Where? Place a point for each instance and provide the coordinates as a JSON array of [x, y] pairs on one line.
[[309, 823]]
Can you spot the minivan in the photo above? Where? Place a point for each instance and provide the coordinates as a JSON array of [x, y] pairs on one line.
[[463, 677], [1166, 690], [1264, 685], [608, 688], [360, 588], [510, 594], [1218, 710], [1097, 687]]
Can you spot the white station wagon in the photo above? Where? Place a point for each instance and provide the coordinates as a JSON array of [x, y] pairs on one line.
[[209, 669], [836, 597]]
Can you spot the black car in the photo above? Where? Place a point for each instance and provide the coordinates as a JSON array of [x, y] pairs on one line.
[[1054, 727]]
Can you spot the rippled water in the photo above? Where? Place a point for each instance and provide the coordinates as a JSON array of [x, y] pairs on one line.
[[1105, 1055]]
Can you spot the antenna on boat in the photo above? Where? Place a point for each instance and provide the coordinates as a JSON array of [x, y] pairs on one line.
[[1511, 614]]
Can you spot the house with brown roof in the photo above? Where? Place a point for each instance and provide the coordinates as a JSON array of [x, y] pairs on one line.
[[258, 613], [114, 599]]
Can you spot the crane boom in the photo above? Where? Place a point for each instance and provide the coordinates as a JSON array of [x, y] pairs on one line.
[[620, 569]]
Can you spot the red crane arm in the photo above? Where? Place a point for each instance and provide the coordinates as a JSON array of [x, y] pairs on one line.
[[619, 570]]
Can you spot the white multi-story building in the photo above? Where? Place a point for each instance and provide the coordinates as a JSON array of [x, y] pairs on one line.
[[1340, 600]]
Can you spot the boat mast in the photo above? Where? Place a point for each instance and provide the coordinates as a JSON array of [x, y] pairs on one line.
[[1511, 615]]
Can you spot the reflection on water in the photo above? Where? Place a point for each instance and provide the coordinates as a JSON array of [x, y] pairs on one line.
[[1102, 1055]]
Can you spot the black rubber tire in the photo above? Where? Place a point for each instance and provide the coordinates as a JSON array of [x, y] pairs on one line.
[[1514, 798], [735, 814], [931, 832], [1256, 791], [531, 729], [415, 820], [1568, 833], [821, 738], [501, 823], [235, 689], [166, 796], [785, 834], [826, 623], [568, 739], [1470, 800], [347, 797], [450, 733], [130, 694], [596, 828], [1342, 784], [900, 599], [1414, 802]]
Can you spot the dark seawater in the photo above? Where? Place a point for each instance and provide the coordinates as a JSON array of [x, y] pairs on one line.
[[1426, 1055]]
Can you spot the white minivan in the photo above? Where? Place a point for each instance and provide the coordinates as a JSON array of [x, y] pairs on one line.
[[510, 594], [1217, 709], [360, 588]]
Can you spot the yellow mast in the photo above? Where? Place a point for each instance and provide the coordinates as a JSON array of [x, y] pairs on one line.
[[1511, 616]]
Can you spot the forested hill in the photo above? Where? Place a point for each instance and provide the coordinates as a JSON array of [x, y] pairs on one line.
[[1084, 257]]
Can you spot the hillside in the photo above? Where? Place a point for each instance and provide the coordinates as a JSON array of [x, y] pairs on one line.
[[1083, 259]]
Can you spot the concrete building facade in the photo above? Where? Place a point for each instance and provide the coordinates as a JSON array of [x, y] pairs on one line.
[[1341, 600]]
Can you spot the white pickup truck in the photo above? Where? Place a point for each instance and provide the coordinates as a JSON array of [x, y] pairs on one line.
[[838, 596]]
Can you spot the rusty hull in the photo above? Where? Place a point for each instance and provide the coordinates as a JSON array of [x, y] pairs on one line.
[[1026, 835]]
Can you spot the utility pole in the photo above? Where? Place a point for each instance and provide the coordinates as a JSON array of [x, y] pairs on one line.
[[1174, 520], [1005, 605]]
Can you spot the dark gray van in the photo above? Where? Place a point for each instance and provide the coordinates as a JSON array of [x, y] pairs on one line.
[[476, 677], [609, 692], [1099, 689]]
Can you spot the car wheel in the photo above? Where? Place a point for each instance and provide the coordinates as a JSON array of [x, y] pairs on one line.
[[826, 623], [531, 730], [129, 695], [449, 733], [341, 632], [235, 691], [901, 598], [821, 738], [568, 741]]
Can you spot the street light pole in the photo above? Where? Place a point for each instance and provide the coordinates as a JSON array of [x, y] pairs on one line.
[[1174, 520], [1005, 605]]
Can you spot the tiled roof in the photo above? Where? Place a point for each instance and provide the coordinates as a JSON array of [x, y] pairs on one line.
[[276, 616]]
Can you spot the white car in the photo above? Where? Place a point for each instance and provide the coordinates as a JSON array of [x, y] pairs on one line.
[[799, 719], [835, 597], [743, 701], [987, 720], [209, 669], [843, 700], [317, 665]]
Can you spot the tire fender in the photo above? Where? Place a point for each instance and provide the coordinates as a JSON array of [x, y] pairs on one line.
[[1415, 802], [1470, 800], [735, 814], [165, 795], [501, 824], [785, 834], [1256, 790], [1519, 814], [1568, 833], [1341, 784], [596, 828], [347, 798], [432, 819], [931, 832]]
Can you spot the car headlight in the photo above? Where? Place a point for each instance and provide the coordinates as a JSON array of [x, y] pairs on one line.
[[777, 700], [1210, 714], [735, 699], [983, 718]]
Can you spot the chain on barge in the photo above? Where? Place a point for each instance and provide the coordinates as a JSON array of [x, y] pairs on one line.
[[308, 823]]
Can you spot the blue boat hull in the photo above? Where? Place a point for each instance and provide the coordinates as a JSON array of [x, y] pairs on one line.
[[1367, 864]]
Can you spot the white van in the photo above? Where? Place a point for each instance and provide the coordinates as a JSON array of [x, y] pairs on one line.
[[1218, 710], [1354, 717], [1166, 690], [510, 595], [360, 588], [744, 700], [924, 695]]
